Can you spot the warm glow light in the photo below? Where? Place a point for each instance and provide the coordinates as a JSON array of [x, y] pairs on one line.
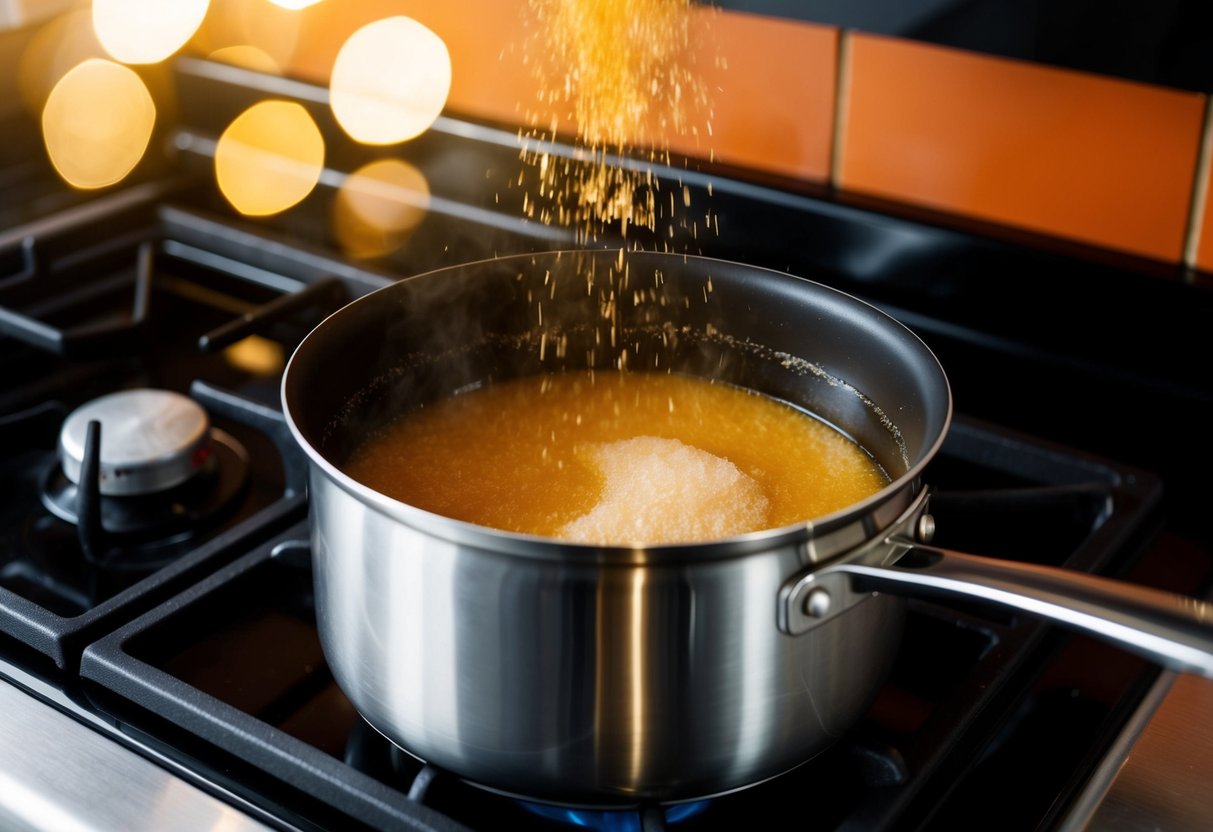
[[97, 123], [249, 57], [378, 205], [269, 158], [257, 355], [254, 23], [146, 31], [56, 47], [294, 4], [390, 81]]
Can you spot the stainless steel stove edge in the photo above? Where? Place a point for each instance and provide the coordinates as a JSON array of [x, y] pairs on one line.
[[1156, 775], [58, 774]]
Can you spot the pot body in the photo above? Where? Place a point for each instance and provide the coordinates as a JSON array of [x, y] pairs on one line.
[[585, 682], [602, 676]]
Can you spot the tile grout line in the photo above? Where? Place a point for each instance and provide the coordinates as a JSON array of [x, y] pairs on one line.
[[842, 86], [1200, 189]]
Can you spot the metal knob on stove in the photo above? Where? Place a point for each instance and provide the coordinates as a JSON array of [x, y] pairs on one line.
[[153, 440]]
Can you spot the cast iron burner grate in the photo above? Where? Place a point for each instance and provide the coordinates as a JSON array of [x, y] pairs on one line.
[[197, 674], [149, 299]]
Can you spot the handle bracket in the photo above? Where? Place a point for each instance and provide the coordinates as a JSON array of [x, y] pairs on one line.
[[819, 593]]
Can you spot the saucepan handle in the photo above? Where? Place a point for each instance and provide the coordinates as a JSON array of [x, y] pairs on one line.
[[1173, 630]]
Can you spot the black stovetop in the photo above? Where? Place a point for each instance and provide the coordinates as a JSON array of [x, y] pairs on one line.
[[968, 684], [1072, 447]]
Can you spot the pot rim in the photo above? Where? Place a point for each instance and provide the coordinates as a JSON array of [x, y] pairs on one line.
[[465, 533]]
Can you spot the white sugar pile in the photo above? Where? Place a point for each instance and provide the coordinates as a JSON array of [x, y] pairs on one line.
[[664, 491]]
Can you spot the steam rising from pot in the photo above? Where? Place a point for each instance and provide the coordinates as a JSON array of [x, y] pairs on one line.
[[471, 325]]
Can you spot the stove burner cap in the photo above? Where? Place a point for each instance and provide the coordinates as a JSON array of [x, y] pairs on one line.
[[151, 440]]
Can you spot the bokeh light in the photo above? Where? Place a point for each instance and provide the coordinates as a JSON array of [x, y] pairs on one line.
[[294, 4], [250, 23], [56, 47], [146, 31], [378, 205], [257, 356], [390, 81], [248, 57], [97, 122], [269, 158]]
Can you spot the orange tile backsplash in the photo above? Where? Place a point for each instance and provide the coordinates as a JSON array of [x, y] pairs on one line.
[[771, 82], [484, 38], [1083, 157], [1094, 159], [1201, 249], [773, 94]]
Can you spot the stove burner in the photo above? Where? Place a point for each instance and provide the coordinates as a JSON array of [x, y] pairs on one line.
[[154, 441], [141, 467], [618, 821], [369, 752], [216, 482]]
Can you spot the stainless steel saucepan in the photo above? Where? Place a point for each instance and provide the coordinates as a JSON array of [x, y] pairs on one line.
[[605, 676]]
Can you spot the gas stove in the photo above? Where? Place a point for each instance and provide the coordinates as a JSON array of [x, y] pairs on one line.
[[160, 641]]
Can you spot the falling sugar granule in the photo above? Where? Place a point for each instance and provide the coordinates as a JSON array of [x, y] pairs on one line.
[[623, 74]]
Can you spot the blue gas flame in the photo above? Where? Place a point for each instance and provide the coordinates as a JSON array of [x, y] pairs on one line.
[[613, 821]]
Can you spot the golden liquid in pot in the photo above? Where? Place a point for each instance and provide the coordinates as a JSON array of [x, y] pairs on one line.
[[617, 458]]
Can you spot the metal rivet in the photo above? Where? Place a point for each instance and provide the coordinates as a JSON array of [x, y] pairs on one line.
[[925, 530], [817, 603]]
